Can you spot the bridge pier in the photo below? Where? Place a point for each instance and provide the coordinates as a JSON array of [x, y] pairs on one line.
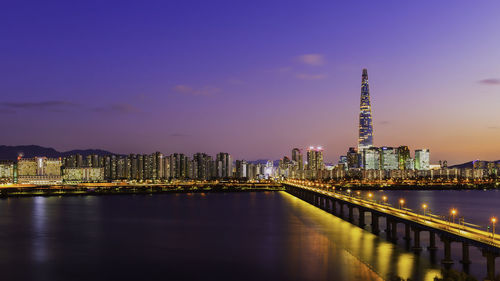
[[387, 228], [432, 241], [351, 215], [394, 229], [375, 226], [361, 218], [407, 232], [447, 251], [416, 240], [490, 264], [334, 207], [465, 254], [341, 210]]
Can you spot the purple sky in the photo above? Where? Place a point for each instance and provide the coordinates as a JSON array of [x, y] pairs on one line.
[[252, 78]]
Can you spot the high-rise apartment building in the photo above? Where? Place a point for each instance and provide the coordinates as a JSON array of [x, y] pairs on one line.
[[298, 158], [224, 165], [315, 158]]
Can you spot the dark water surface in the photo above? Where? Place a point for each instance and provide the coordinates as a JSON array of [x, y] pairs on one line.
[[212, 236]]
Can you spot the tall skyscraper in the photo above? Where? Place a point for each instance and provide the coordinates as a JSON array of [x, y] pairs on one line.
[[315, 158], [365, 139]]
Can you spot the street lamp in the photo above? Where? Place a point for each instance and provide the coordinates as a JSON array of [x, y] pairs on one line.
[[493, 221], [384, 199], [453, 213], [424, 206], [401, 203], [359, 193], [348, 192], [370, 196]]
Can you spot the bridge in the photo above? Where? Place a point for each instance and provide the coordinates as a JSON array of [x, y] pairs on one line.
[[337, 203]]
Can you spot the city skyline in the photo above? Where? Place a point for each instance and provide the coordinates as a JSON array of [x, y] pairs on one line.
[[179, 78]]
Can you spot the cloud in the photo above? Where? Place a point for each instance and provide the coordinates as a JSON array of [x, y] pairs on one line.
[[493, 127], [119, 108], [312, 59], [187, 90], [384, 122], [54, 105], [490, 81], [305, 76]]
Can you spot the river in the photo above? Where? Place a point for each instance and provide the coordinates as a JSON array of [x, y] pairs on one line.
[[212, 236]]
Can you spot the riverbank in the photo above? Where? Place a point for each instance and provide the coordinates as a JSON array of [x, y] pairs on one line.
[[124, 190], [418, 187]]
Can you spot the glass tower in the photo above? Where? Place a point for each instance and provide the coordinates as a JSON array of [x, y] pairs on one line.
[[365, 139]]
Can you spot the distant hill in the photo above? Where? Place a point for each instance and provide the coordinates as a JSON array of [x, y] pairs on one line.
[[29, 151], [468, 165]]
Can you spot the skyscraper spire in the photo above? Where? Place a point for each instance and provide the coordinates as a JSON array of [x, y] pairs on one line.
[[365, 139]]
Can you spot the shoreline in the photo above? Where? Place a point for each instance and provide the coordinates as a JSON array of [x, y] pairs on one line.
[[9, 193]]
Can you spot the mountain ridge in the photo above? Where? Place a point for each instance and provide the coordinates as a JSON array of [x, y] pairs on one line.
[[28, 151]]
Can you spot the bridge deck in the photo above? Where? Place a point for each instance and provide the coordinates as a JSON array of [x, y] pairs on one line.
[[455, 231]]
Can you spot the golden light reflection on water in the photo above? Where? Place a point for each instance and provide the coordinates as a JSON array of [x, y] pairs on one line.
[[330, 242], [405, 265]]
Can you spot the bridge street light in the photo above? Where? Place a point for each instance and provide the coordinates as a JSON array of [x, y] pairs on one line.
[[384, 199], [424, 206], [493, 221], [401, 203], [453, 214]]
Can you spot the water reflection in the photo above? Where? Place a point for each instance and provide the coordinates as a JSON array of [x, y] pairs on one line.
[[39, 221], [240, 236], [370, 255]]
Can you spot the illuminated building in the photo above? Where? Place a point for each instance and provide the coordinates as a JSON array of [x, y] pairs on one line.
[[203, 164], [422, 159], [268, 170], [241, 169], [252, 171], [39, 170], [403, 156], [315, 158], [224, 165], [389, 158], [410, 164], [8, 171], [365, 139], [371, 158], [353, 158], [297, 157], [83, 174]]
